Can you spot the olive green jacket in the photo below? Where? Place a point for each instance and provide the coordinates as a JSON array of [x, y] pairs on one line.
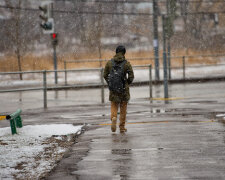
[[119, 97]]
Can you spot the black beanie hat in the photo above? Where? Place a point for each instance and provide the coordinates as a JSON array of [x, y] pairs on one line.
[[121, 49]]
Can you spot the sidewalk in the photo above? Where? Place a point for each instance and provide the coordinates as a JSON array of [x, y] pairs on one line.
[[176, 140]]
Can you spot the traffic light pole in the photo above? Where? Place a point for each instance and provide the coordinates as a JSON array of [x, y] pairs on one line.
[[47, 25], [156, 41], [164, 60], [55, 63], [54, 43], [168, 57], [168, 42]]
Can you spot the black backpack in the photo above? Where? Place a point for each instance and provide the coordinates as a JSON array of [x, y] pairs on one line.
[[117, 77]]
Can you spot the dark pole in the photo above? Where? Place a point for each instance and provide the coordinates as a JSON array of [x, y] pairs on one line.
[[155, 41], [168, 58], [168, 42], [54, 44], [55, 63], [164, 59], [18, 40]]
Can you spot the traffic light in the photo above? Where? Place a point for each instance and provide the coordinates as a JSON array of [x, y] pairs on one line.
[[54, 39], [46, 17]]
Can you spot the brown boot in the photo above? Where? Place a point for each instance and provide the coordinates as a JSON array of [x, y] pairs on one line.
[[113, 126], [123, 113], [123, 130]]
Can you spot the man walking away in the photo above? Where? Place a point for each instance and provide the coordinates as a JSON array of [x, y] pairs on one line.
[[119, 74]]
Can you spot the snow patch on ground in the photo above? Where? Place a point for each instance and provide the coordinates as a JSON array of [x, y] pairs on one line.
[[34, 151], [220, 115]]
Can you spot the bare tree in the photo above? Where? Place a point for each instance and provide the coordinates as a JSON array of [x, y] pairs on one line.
[[17, 38], [99, 33], [201, 28], [14, 26]]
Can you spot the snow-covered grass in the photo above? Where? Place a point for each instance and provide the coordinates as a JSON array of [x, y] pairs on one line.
[[34, 151], [10, 81]]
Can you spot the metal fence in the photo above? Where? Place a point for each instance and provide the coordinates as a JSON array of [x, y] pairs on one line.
[[181, 63], [45, 87]]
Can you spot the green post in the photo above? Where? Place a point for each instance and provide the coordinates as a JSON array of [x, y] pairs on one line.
[[13, 126], [16, 114], [18, 122], [15, 121]]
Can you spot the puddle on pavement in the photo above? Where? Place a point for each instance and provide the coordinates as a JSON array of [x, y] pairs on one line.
[[219, 116], [75, 116], [121, 151], [203, 102], [181, 112]]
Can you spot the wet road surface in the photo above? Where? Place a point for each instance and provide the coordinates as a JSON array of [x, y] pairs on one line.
[[176, 139], [10, 102], [164, 141]]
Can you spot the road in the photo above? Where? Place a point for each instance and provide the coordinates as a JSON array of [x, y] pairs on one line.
[[34, 99], [180, 138]]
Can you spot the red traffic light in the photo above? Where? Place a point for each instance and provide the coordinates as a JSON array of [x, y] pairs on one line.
[[54, 35], [54, 39]]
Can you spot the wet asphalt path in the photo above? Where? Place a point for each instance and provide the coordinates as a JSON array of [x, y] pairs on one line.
[[176, 139]]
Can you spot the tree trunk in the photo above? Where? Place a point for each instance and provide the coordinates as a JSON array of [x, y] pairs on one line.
[[100, 34], [18, 42]]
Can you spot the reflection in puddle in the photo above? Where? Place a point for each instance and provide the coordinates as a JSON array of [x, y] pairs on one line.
[[163, 110], [20, 96], [175, 112], [157, 110], [56, 94], [121, 156], [219, 117], [121, 151]]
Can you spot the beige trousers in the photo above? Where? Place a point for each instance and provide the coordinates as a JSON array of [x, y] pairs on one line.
[[123, 112]]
